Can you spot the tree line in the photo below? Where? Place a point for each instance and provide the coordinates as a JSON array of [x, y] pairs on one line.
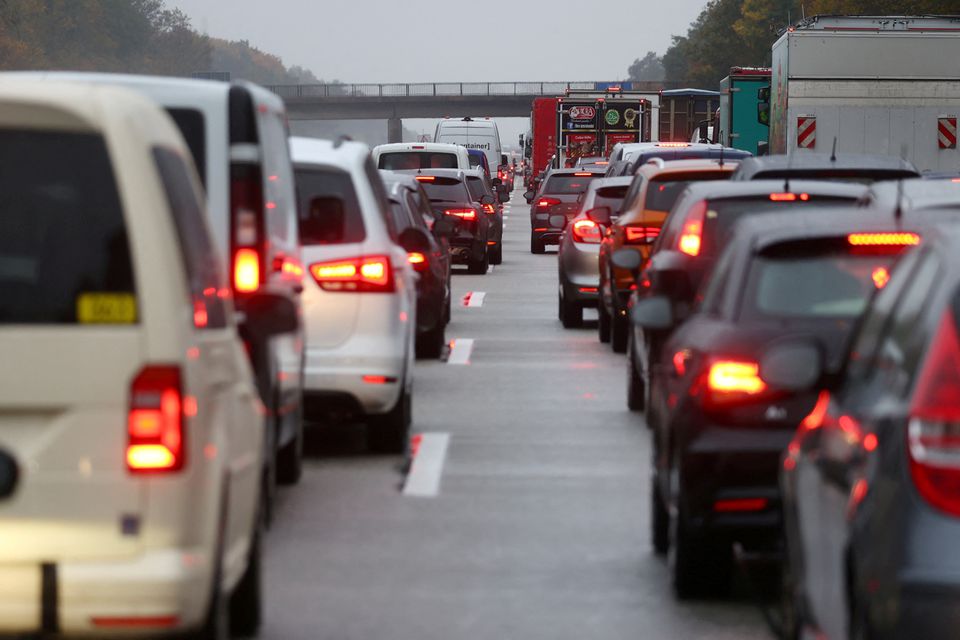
[[730, 33], [132, 36]]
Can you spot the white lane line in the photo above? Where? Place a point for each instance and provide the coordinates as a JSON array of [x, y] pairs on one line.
[[490, 268], [423, 481], [475, 298], [460, 350]]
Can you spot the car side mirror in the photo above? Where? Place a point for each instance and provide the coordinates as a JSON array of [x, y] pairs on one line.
[[487, 199], [558, 221], [529, 195], [270, 314], [654, 313], [601, 215], [496, 182], [627, 259], [414, 240], [504, 196], [792, 365]]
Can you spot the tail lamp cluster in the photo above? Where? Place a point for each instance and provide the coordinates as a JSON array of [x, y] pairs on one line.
[[155, 436]]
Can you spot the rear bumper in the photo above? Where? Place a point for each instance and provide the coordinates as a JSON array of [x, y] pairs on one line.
[[341, 370], [159, 593], [579, 270]]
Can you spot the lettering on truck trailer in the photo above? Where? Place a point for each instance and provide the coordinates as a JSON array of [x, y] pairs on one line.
[[475, 145]]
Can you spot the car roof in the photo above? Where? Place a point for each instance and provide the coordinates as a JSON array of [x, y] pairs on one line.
[[915, 193], [319, 151], [689, 150], [394, 179], [417, 146], [619, 181], [459, 174], [684, 166], [799, 162], [719, 189], [566, 171]]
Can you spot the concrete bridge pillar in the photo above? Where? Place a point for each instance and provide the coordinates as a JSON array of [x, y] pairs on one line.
[[394, 130]]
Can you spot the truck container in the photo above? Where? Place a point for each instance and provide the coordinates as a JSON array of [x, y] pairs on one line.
[[878, 85], [740, 96], [682, 111]]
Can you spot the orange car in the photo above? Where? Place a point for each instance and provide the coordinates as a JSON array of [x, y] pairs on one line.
[[655, 187]]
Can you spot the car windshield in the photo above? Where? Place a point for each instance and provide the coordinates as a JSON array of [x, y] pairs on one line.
[[443, 189], [329, 209], [412, 160], [63, 240], [814, 282], [568, 183]]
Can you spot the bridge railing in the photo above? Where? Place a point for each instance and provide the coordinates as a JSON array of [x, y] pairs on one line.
[[447, 89]]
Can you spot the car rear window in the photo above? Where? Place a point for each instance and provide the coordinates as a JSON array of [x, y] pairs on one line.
[[407, 160], [329, 209], [443, 189], [821, 279], [475, 186], [664, 190], [722, 215], [610, 197], [568, 183], [193, 128], [64, 251], [853, 176]]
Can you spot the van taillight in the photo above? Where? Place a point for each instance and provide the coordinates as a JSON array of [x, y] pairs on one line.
[[155, 421], [933, 432], [246, 209]]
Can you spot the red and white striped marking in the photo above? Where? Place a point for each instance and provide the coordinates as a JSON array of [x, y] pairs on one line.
[[947, 132], [429, 452], [806, 132], [460, 351], [475, 298]]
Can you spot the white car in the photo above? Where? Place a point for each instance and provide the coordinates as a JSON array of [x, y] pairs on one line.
[[411, 156], [360, 298], [126, 399]]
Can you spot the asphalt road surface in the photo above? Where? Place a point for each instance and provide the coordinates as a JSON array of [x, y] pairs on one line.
[[538, 528]]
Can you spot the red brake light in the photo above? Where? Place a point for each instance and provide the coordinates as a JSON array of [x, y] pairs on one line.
[[641, 235], [789, 197], [418, 260], [489, 208], [426, 178], [155, 421], [366, 274], [740, 505], [246, 208], [673, 144], [583, 174], [880, 277], [732, 380], [691, 238], [546, 203], [586, 231], [246, 270], [463, 214], [889, 239], [933, 434]]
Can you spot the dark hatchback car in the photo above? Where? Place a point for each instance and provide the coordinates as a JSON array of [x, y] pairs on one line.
[[719, 418], [449, 196], [694, 234], [559, 194], [871, 479], [821, 166], [410, 209]]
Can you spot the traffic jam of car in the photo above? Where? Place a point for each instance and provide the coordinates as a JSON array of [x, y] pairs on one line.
[[188, 293]]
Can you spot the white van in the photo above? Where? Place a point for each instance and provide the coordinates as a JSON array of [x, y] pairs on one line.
[[473, 134], [413, 156]]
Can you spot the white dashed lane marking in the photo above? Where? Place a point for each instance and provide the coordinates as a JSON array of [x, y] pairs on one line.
[[429, 454], [460, 350]]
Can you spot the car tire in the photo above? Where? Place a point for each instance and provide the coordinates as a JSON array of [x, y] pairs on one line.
[[430, 343], [659, 519], [479, 267], [603, 324], [619, 331], [636, 394], [497, 257], [536, 245], [246, 602], [290, 455], [571, 313], [388, 432], [700, 566]]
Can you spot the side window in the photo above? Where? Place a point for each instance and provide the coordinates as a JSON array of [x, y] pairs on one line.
[[712, 294], [416, 214], [421, 204], [400, 219], [866, 340], [206, 281], [380, 197], [903, 343]]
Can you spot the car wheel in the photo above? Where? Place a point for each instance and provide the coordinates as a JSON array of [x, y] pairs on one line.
[[618, 333], [659, 519], [246, 603], [290, 455], [571, 313], [635, 387], [700, 565], [603, 324], [430, 344], [536, 245], [479, 267], [388, 433], [497, 257]]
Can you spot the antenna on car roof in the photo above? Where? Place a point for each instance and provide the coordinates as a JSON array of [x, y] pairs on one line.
[[721, 150], [833, 154], [898, 209]]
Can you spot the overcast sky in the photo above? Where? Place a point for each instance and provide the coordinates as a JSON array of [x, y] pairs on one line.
[[381, 41]]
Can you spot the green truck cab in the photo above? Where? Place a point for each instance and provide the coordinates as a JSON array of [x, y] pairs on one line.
[[742, 105]]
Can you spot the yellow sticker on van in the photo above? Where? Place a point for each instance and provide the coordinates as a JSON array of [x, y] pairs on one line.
[[106, 308]]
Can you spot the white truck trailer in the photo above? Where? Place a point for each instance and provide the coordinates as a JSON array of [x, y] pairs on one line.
[[878, 85]]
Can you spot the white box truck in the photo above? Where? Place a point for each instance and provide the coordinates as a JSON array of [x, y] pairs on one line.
[[878, 85]]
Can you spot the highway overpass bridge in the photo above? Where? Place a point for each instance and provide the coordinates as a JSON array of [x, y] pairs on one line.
[[394, 102]]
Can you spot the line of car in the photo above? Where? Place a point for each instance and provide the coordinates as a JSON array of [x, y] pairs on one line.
[[791, 332], [184, 287]]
